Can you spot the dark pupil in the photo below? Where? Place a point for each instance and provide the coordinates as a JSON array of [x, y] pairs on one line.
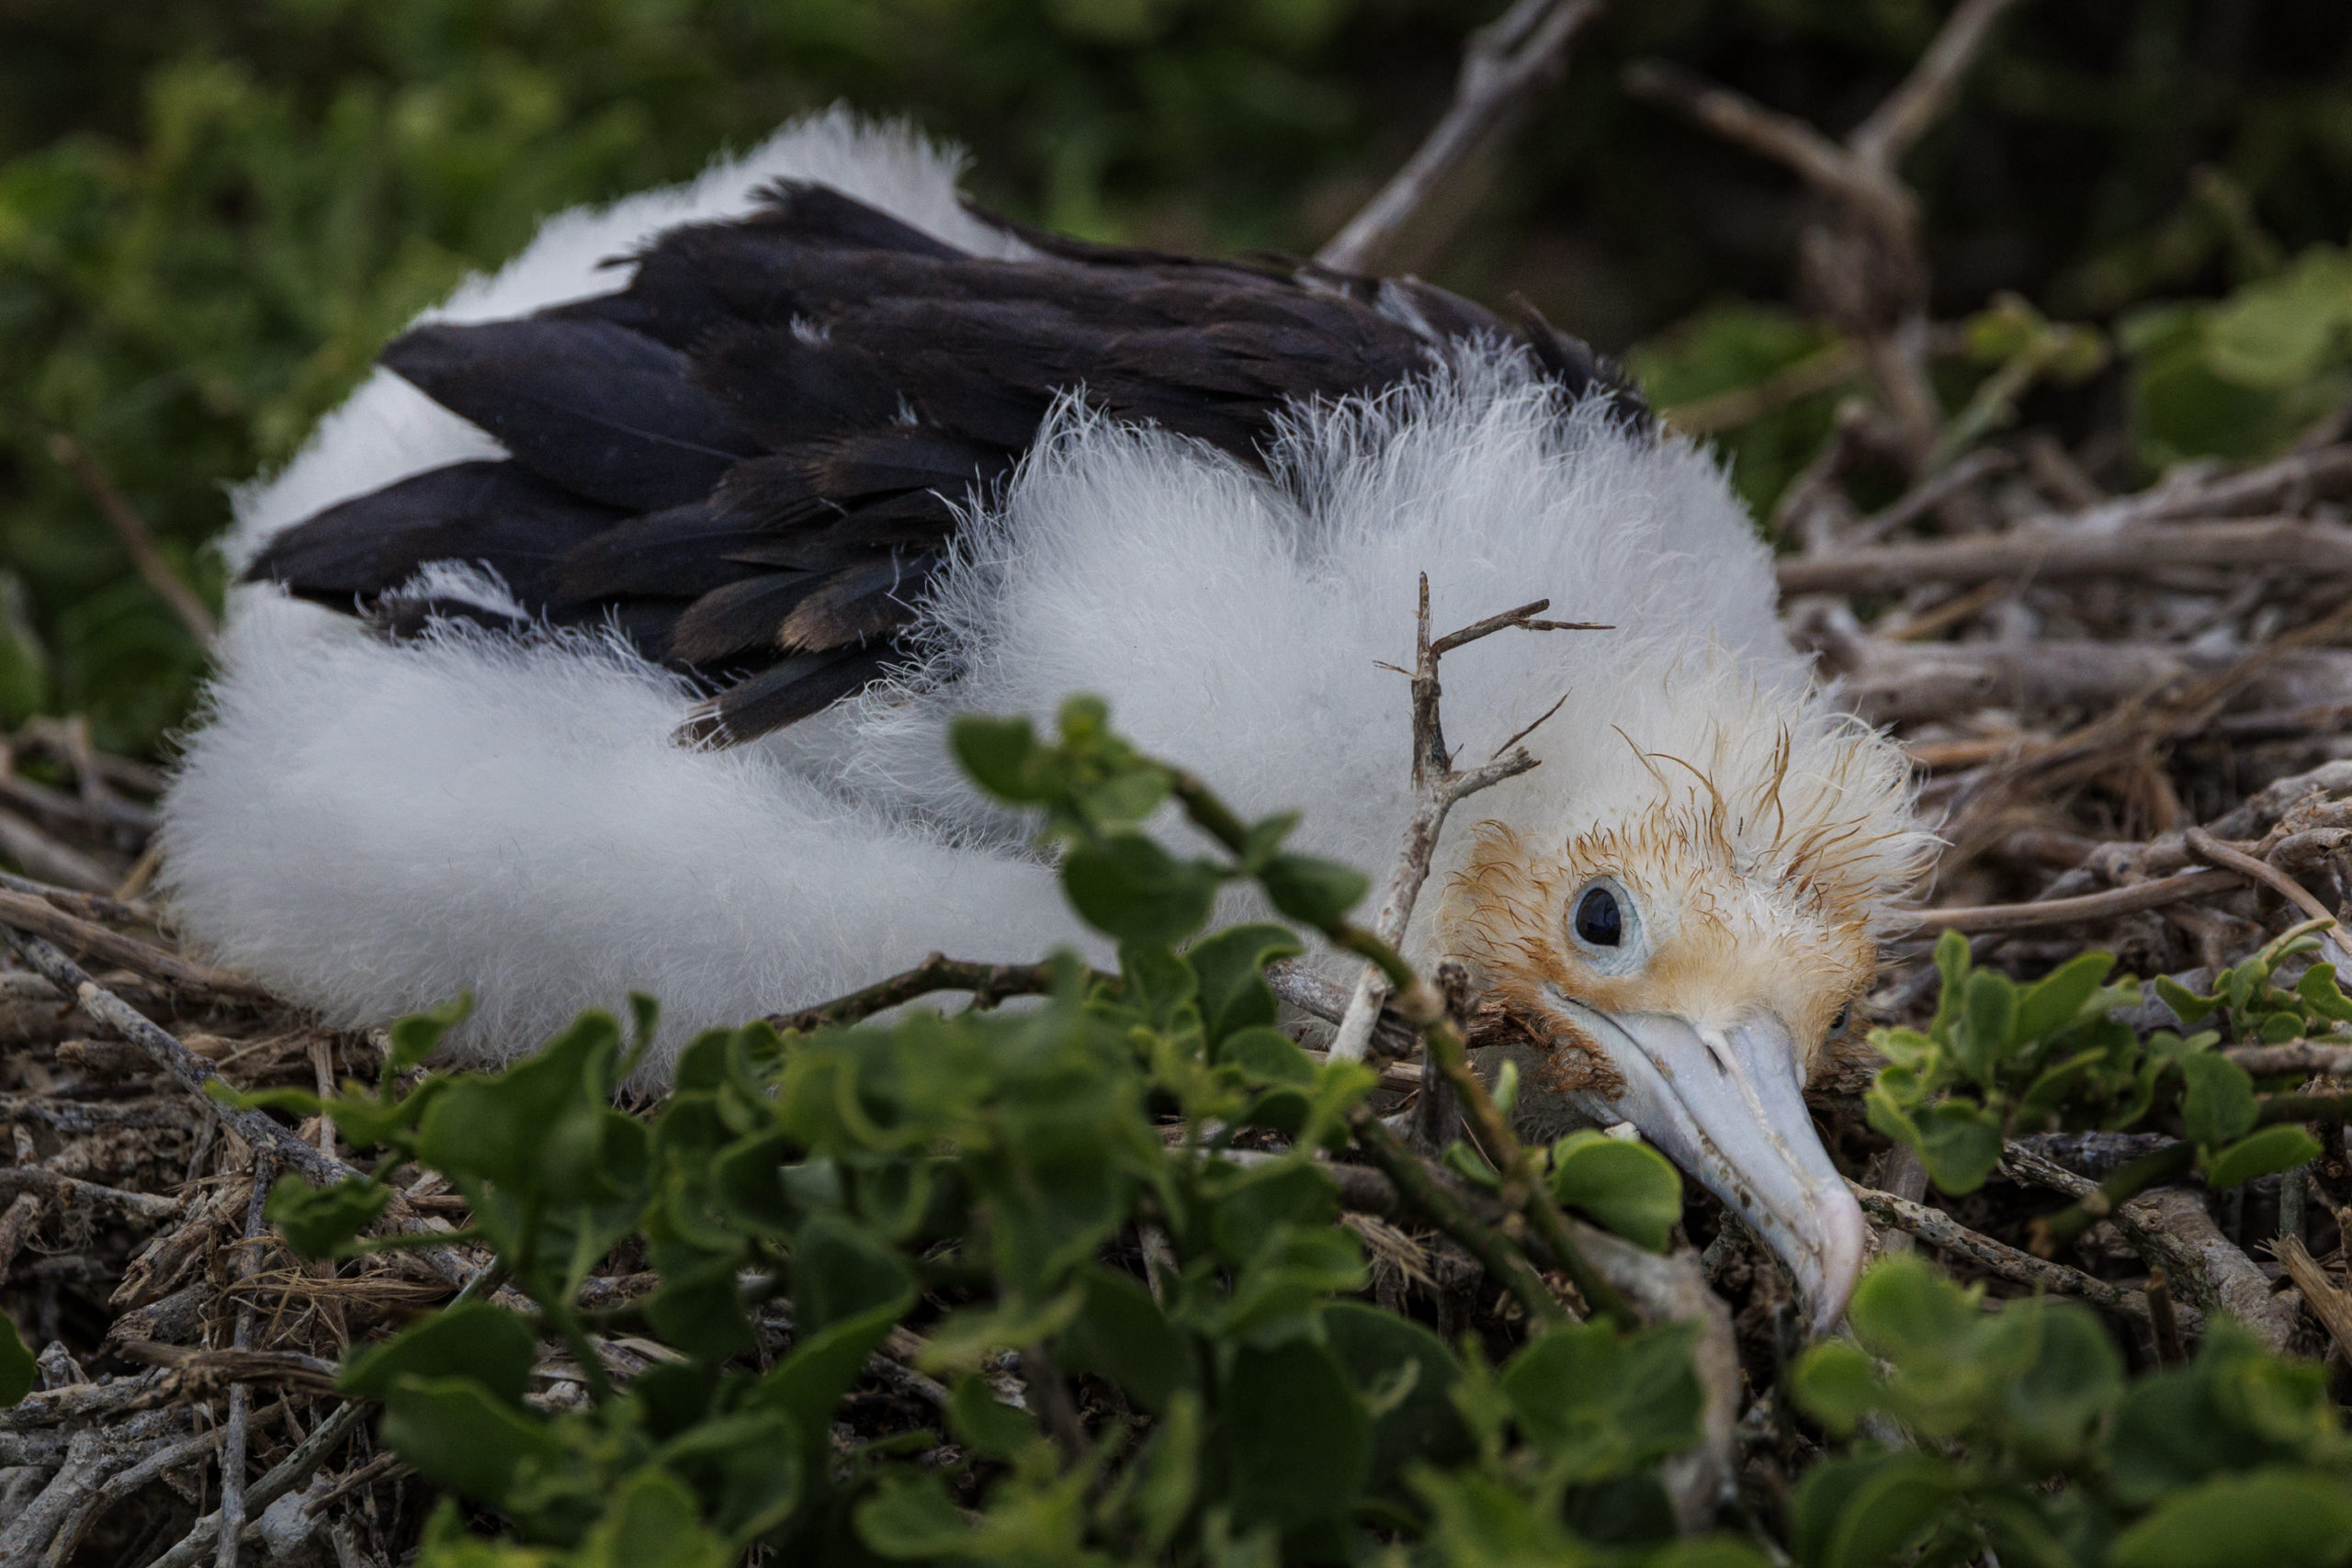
[[1838, 1024], [1598, 920]]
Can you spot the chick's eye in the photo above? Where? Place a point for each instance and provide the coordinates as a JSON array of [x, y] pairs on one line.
[[1845, 1016], [1598, 920]]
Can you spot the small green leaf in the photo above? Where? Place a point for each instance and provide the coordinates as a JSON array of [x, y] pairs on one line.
[[1298, 1438], [1138, 893], [1231, 965], [1169, 1470], [488, 1345], [2270, 1149], [1120, 1334], [1267, 1055], [2218, 1105], [1867, 1511], [321, 1223], [18, 1369], [1001, 754], [1837, 1385], [2319, 988], [1980, 1041], [416, 1036], [987, 1428], [462, 1438], [2052, 1002], [1960, 1143], [1628, 1187], [654, 1523], [1313, 892], [1953, 959], [2279, 1519], [2186, 1005]]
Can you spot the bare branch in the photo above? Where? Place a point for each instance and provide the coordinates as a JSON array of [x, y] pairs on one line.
[[1783, 137], [1506, 67], [131, 529], [2152, 895], [1898, 122], [2052, 555], [1939, 1229]]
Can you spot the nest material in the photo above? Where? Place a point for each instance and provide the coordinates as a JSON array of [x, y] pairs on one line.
[[134, 1263]]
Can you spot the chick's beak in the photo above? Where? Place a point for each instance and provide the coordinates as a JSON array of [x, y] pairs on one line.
[[1727, 1106]]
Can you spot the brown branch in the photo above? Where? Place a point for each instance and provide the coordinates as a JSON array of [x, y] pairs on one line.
[[2305, 1058], [2049, 555], [2163, 1319], [2152, 894], [1905, 115], [2323, 1295], [131, 529], [986, 982], [1823, 371], [1939, 1229], [232, 1452], [2170, 1228], [1422, 1192], [1506, 67], [39, 916], [2214, 853]]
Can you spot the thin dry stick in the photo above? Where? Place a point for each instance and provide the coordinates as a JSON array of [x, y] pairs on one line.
[[2153, 894], [2068, 552], [289, 1473], [2323, 1295], [1506, 66], [233, 1450], [197, 1075], [985, 982], [132, 530], [1437, 788], [1868, 266], [1939, 1229], [39, 916]]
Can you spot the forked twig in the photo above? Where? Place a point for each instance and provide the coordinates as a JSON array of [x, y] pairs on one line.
[[1506, 67]]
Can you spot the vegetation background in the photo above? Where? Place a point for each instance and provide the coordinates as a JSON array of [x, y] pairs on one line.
[[212, 212]]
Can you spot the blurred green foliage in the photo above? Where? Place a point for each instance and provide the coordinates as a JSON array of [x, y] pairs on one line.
[[212, 211]]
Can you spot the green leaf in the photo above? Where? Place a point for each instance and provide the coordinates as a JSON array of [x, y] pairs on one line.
[[1120, 1334], [2279, 1518], [1600, 1403], [807, 1385], [1960, 1143], [912, 1517], [654, 1523], [985, 1427], [2186, 1005], [1265, 1055], [1231, 965], [1297, 1439], [321, 1222], [1169, 1470], [841, 1271], [462, 1438], [490, 1345], [2319, 988], [2218, 1105], [1837, 1385], [1980, 1042], [2052, 1002], [18, 1369], [1628, 1187], [1128, 886], [1406, 1377], [1868, 1511], [746, 1467], [1953, 959], [1313, 892], [1002, 755], [416, 1037], [2273, 1148]]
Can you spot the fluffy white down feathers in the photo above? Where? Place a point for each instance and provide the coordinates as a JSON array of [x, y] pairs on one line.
[[370, 828]]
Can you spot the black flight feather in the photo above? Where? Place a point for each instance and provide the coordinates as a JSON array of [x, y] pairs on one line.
[[750, 461]]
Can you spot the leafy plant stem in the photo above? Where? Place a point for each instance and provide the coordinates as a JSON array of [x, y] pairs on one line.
[[2128, 1182], [1500, 1255]]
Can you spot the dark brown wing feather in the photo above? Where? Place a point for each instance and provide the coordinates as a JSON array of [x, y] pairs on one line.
[[749, 462]]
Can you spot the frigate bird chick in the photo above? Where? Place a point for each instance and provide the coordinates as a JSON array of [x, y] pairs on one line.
[[607, 641]]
